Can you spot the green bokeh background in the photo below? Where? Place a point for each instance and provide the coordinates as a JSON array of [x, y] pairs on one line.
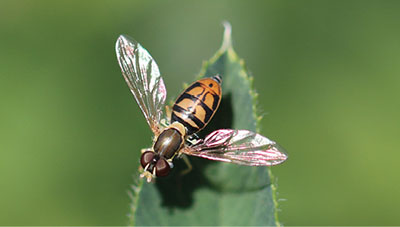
[[327, 73]]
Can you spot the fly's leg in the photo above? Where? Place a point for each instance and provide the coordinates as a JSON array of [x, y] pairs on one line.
[[193, 139], [189, 166], [168, 110], [164, 122]]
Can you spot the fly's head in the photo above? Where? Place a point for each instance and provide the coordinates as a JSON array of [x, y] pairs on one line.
[[154, 165]]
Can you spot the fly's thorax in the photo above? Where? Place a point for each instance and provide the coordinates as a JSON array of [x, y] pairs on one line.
[[170, 141], [157, 162], [195, 107]]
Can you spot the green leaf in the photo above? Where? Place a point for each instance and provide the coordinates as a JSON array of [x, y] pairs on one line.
[[214, 193]]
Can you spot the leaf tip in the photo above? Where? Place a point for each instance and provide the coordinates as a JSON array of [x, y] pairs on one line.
[[227, 41]]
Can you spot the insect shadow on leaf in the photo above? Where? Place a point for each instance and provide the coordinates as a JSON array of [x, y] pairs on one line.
[[177, 189]]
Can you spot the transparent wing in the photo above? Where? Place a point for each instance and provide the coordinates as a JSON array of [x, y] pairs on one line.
[[238, 146], [143, 77]]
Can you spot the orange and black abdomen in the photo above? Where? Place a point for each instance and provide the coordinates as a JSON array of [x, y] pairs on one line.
[[195, 107]]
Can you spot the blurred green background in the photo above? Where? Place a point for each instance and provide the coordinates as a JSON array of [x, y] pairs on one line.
[[327, 73]]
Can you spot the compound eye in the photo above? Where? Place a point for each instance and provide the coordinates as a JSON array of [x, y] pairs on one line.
[[162, 168], [146, 158]]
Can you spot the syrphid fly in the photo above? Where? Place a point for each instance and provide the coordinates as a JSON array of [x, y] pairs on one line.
[[194, 108]]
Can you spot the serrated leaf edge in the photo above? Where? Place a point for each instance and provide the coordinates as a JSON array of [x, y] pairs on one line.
[[227, 46], [134, 194]]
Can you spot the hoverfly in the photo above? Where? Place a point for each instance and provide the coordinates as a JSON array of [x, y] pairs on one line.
[[191, 112]]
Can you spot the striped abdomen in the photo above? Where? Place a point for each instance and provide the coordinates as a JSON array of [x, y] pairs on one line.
[[195, 107]]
